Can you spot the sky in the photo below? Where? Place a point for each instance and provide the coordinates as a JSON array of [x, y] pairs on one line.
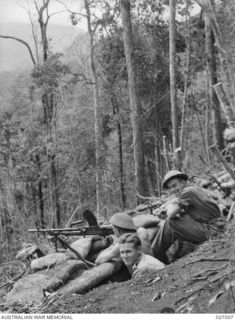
[[12, 53], [13, 11]]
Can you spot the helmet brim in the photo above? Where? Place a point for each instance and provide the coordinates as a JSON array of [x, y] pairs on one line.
[[179, 175]]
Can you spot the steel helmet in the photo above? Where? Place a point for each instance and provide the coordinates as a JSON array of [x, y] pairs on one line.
[[122, 220], [173, 174]]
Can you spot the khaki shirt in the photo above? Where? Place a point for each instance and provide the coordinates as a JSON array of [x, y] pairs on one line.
[[198, 204], [144, 264]]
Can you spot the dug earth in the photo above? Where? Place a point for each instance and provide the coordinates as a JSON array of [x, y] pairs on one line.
[[201, 282]]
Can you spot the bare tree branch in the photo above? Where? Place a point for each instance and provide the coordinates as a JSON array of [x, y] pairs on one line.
[[57, 12], [47, 11], [82, 77], [70, 11], [79, 77], [27, 9], [23, 42], [36, 6], [34, 35]]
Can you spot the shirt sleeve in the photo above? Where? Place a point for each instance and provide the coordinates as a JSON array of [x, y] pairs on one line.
[[185, 198]]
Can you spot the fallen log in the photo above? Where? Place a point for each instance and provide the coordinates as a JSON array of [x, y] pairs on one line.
[[205, 259], [30, 290], [75, 253], [50, 260], [82, 246], [61, 274], [90, 278]]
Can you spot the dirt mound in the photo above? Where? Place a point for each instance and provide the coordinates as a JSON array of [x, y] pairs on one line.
[[201, 282]]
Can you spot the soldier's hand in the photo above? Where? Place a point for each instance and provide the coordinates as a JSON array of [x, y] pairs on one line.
[[163, 213], [108, 240]]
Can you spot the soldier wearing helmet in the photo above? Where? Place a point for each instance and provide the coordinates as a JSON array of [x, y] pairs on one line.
[[122, 223], [170, 183], [192, 216]]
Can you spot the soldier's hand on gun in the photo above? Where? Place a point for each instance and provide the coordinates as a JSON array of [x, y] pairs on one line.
[[163, 212]]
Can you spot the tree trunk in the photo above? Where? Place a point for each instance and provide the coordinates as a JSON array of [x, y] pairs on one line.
[[225, 104], [96, 109], [135, 103], [207, 6], [157, 161], [43, 18], [121, 166], [173, 92], [55, 195], [49, 106], [122, 181], [207, 128], [165, 154], [212, 79], [228, 111], [186, 77], [40, 195]]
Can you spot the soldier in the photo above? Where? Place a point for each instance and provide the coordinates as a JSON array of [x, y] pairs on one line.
[[192, 216], [135, 260], [122, 223]]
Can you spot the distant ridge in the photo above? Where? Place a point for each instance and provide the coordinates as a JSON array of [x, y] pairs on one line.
[[14, 55]]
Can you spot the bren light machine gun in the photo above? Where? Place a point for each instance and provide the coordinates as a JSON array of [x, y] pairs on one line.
[[93, 229]]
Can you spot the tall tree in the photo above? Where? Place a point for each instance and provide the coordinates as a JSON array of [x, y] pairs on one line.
[[208, 7], [96, 107], [183, 132], [212, 80], [116, 113], [135, 102], [173, 90], [49, 106]]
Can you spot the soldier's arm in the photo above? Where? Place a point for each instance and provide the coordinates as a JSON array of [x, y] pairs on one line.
[[172, 210], [108, 254]]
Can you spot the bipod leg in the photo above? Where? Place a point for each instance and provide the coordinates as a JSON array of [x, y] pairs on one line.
[[87, 263]]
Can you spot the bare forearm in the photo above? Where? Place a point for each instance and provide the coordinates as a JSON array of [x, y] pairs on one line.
[[172, 210], [108, 254]]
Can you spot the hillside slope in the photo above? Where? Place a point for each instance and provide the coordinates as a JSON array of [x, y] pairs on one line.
[[198, 283]]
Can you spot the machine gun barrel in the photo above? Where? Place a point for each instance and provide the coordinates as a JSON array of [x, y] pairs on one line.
[[81, 231]]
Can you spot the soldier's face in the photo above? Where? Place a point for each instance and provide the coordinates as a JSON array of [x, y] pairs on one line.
[[176, 184], [129, 253]]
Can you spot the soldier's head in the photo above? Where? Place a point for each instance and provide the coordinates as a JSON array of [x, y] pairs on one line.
[[122, 223], [175, 180], [130, 248]]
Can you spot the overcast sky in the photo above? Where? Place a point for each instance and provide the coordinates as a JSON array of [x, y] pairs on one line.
[[13, 11]]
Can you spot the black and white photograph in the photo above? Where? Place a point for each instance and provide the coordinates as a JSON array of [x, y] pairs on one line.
[[117, 159]]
